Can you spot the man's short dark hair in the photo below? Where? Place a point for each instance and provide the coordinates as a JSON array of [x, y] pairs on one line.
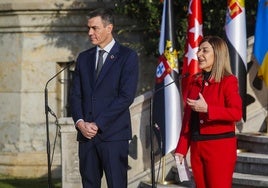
[[106, 15]]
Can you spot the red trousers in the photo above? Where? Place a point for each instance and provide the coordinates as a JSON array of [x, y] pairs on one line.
[[213, 162]]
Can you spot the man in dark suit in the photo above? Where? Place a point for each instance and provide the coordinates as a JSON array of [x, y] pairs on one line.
[[100, 104]]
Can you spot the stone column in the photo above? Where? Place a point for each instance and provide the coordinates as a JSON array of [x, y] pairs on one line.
[[69, 153]]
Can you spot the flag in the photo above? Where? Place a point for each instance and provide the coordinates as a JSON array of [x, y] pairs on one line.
[[167, 111], [260, 49], [235, 29], [194, 37]]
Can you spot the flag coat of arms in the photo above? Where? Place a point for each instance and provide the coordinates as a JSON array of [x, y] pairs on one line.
[[167, 112], [235, 29]]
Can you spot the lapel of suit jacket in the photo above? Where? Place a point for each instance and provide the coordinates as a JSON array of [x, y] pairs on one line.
[[109, 61], [90, 61]]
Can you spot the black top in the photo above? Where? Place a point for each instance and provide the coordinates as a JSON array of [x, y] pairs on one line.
[[195, 115]]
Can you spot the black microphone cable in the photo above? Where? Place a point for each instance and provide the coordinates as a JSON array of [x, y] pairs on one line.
[[56, 135], [161, 151]]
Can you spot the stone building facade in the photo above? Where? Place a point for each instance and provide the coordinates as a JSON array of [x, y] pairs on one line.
[[37, 39]]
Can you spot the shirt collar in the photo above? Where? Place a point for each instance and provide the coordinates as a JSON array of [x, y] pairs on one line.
[[108, 47]]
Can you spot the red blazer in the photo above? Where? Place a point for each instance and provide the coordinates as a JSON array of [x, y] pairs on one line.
[[224, 109]]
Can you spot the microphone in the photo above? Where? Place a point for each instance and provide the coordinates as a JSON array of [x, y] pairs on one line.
[[180, 77], [48, 110], [156, 126]]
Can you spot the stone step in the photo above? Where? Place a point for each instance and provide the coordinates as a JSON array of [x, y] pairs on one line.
[[251, 168], [253, 142], [172, 181], [159, 185], [241, 180], [253, 163]]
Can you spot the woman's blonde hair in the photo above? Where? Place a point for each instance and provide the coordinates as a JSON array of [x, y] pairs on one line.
[[221, 66]]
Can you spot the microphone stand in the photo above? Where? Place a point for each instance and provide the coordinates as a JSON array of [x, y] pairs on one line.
[[151, 125], [48, 110]]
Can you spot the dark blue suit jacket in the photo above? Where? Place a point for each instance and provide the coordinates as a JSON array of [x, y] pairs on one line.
[[106, 100]]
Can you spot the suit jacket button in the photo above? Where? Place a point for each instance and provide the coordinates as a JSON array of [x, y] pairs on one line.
[[201, 121]]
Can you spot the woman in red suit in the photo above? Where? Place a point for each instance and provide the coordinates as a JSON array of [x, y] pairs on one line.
[[213, 105]]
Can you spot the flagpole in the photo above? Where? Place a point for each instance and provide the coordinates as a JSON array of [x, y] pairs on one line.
[[163, 169], [163, 182], [152, 145]]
